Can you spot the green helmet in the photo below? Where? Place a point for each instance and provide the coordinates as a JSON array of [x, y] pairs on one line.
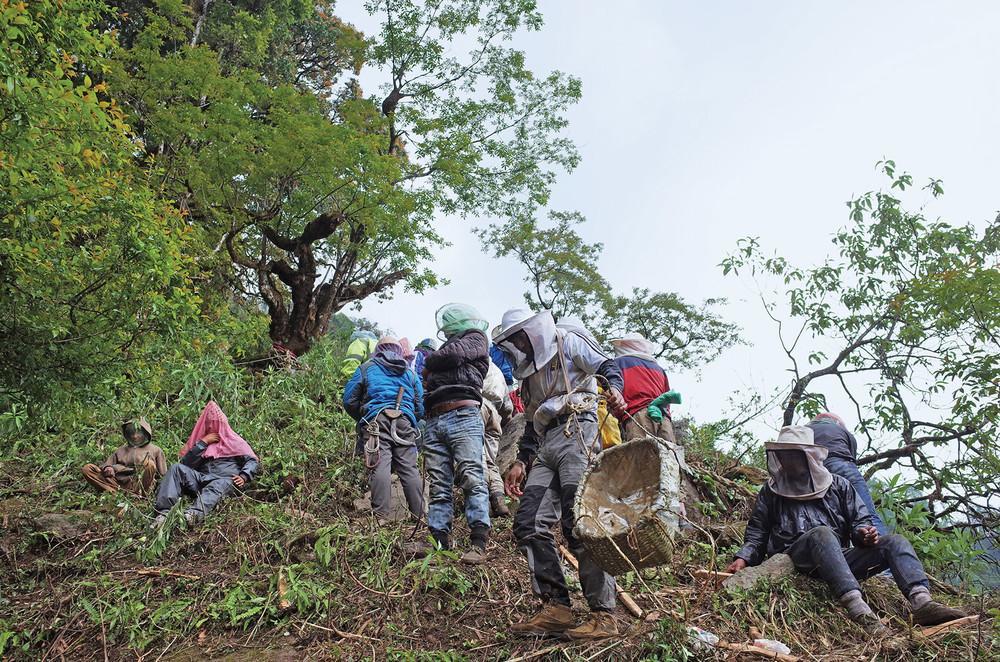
[[455, 318]]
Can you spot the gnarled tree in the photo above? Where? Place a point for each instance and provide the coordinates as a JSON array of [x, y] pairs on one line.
[[316, 195]]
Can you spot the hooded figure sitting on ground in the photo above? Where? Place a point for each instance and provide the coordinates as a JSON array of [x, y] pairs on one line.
[[814, 517], [645, 381], [557, 368], [136, 464], [830, 432], [453, 436], [214, 461], [386, 399]]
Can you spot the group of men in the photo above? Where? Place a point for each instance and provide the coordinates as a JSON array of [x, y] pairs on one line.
[[467, 389], [816, 505]]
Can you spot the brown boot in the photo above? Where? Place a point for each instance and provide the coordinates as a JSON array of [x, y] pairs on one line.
[[600, 625], [552, 618], [498, 506], [935, 613]]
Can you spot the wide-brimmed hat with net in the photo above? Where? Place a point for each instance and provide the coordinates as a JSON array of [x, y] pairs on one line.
[[795, 464]]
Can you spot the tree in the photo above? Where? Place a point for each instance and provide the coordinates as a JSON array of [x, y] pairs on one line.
[[315, 194], [92, 265], [909, 307], [564, 277]]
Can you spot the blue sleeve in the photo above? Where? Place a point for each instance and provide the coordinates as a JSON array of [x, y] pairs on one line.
[[418, 397], [353, 394], [502, 362], [249, 468], [193, 457]]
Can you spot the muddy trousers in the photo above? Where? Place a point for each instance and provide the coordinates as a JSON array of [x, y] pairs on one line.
[[817, 552], [491, 446], [637, 425], [208, 487], [396, 455], [548, 498], [141, 482]]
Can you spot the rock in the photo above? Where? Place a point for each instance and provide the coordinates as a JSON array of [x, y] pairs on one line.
[[777, 567], [64, 525], [398, 510]]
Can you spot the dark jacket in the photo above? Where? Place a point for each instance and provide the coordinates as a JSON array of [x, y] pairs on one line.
[[193, 458], [375, 385], [777, 521], [457, 369], [831, 435]]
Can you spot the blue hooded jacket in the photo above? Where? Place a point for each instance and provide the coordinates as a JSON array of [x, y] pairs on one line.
[[502, 362], [375, 385]]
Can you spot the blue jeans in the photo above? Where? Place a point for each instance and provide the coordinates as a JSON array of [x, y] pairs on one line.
[[817, 552], [453, 448], [849, 470]]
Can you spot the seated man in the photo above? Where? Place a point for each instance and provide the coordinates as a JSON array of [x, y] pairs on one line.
[[814, 516], [136, 464]]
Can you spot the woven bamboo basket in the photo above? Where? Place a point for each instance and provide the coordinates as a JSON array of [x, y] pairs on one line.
[[627, 506]]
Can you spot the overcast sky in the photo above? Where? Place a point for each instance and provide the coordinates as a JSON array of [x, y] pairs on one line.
[[704, 122]]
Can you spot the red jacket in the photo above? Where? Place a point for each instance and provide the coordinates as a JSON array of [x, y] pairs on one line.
[[644, 381]]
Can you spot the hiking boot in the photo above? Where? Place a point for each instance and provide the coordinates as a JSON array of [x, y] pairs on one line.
[[871, 624], [475, 556], [478, 537], [600, 625], [498, 506], [157, 522], [552, 618], [935, 613], [191, 518]]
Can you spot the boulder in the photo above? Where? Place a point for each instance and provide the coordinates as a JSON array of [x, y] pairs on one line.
[[64, 525], [777, 567]]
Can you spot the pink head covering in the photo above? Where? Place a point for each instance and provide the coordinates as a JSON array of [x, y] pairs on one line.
[[407, 348], [230, 444], [830, 416]]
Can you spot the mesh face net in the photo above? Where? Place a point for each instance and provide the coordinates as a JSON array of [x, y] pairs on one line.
[[129, 430], [798, 473]]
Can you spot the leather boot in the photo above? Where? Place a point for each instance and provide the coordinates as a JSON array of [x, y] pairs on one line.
[[600, 625], [477, 554], [498, 506], [552, 618], [935, 613]]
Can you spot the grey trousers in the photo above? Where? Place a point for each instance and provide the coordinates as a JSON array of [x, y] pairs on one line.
[[399, 457], [491, 446], [208, 486], [548, 498]]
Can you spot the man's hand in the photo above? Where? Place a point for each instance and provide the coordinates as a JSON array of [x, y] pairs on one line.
[[867, 536], [616, 403], [736, 566], [211, 438], [512, 482], [109, 472], [238, 481]]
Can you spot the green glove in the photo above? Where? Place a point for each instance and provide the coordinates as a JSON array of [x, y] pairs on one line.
[[655, 408]]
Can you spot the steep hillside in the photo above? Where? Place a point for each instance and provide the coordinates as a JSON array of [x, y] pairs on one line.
[[291, 570]]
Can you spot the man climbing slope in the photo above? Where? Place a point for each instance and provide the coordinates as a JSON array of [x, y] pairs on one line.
[[557, 369]]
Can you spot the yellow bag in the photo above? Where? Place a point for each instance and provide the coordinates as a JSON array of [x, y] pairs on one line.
[[611, 433]]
